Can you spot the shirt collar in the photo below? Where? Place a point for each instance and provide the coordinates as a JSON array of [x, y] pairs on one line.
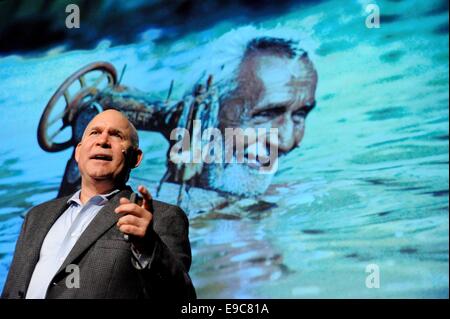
[[99, 199]]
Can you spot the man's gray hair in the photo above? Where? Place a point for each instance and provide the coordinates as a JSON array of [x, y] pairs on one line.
[[228, 51], [276, 46], [134, 137]]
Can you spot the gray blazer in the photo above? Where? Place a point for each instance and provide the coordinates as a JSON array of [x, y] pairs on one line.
[[104, 257]]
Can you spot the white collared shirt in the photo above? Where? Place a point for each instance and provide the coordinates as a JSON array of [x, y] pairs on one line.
[[60, 240]]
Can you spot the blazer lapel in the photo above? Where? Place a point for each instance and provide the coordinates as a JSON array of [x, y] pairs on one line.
[[49, 215], [104, 220]]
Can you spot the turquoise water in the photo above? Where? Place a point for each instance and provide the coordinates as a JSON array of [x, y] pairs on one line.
[[369, 184]]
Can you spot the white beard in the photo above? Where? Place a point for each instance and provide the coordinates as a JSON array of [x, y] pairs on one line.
[[235, 178]]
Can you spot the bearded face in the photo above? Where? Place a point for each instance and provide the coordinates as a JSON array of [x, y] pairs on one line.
[[273, 92]]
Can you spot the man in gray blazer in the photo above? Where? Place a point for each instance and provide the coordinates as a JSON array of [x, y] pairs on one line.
[[97, 243]]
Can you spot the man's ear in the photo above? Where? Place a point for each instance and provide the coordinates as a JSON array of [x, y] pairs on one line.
[[77, 152], [138, 155]]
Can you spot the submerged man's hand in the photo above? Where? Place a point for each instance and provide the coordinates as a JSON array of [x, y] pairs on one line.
[[136, 218]]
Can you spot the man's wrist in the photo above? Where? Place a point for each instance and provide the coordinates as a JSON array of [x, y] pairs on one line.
[[143, 250]]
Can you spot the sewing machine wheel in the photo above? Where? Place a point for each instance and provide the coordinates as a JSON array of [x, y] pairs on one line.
[[55, 131]]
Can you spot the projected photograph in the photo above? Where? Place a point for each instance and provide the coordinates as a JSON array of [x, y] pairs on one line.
[[307, 142]]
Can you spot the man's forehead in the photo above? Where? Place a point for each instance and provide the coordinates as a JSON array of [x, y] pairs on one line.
[[273, 69], [110, 120], [284, 80]]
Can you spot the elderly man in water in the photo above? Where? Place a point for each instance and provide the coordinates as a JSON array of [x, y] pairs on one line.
[[269, 88], [273, 89]]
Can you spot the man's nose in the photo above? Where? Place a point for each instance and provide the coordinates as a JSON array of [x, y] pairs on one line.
[[286, 134], [103, 139]]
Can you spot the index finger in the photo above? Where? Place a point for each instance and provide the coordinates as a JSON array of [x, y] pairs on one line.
[[147, 197]]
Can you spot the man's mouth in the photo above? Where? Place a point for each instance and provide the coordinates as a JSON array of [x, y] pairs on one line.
[[102, 157], [259, 161], [252, 160]]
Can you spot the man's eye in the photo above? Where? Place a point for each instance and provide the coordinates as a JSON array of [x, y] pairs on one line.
[[117, 135], [265, 113], [273, 112], [300, 113], [304, 111], [94, 133]]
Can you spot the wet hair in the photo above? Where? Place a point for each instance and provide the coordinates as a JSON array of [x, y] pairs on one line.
[[238, 87], [274, 46]]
